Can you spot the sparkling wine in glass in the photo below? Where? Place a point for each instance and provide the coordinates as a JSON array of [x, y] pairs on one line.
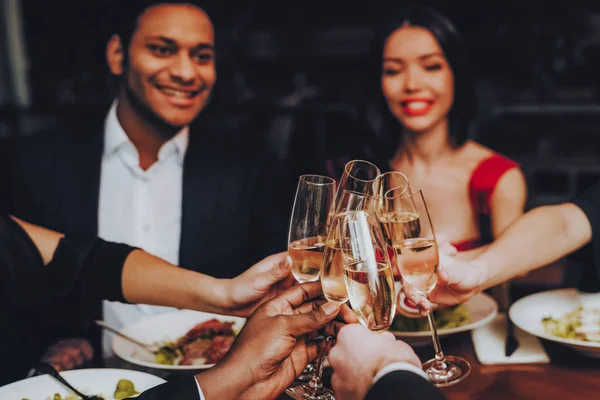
[[311, 215], [418, 259], [334, 289], [367, 272], [334, 262], [387, 181]]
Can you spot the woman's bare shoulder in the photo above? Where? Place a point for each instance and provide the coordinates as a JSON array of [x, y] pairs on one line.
[[473, 153]]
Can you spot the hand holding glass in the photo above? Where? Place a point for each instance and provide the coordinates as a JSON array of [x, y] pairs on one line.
[[309, 227], [410, 228]]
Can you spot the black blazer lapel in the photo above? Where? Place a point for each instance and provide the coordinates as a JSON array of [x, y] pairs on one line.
[[203, 183]]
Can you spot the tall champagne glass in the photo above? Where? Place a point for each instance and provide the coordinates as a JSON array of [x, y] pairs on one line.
[[367, 271], [359, 177], [390, 180], [311, 215], [386, 182], [334, 288], [418, 259]]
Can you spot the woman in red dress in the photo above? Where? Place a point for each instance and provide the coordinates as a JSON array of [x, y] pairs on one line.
[[418, 109]]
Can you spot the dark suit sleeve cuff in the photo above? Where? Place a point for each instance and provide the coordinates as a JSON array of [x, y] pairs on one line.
[[179, 389], [403, 384]]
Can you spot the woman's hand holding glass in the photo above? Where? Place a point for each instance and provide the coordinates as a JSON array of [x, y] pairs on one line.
[[418, 260]]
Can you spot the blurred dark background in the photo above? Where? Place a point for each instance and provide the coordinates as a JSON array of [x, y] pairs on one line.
[[294, 68]]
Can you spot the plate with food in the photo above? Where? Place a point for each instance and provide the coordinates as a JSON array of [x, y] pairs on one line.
[[565, 316], [476, 312], [199, 340], [109, 384]]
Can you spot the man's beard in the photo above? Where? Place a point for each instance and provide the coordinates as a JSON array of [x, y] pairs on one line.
[[147, 114]]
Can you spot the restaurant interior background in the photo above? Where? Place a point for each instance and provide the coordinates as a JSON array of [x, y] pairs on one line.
[[294, 65]]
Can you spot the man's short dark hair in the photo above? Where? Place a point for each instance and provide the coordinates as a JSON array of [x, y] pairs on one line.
[[126, 14]]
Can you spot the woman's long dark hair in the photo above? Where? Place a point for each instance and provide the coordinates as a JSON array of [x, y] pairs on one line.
[[385, 132]]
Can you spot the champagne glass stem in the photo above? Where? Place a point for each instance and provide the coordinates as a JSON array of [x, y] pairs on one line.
[[439, 354], [316, 384]]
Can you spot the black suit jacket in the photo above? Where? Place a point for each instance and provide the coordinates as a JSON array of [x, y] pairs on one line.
[[236, 198], [393, 386]]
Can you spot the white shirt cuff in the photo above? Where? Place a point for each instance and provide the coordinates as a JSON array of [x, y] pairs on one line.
[[399, 366], [199, 389]]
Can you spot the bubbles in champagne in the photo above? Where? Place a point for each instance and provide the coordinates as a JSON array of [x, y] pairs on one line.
[[398, 225], [307, 256], [371, 293], [418, 262], [332, 274]]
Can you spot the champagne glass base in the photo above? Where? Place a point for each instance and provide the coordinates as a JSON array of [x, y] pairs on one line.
[[307, 373], [448, 372], [305, 392]]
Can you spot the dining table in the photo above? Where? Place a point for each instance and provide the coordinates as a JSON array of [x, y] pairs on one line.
[[569, 375]]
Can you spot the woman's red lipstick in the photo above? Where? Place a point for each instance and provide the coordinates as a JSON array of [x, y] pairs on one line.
[[416, 106]]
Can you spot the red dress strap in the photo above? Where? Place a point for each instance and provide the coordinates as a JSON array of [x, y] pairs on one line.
[[484, 179], [468, 244]]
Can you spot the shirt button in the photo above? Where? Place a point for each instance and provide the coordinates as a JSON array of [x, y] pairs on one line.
[[146, 228]]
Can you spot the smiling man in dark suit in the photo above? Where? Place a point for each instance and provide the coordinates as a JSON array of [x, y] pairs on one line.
[[156, 172]]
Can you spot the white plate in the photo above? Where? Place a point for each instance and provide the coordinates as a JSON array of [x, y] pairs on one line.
[[163, 328], [88, 381], [481, 308], [527, 314]]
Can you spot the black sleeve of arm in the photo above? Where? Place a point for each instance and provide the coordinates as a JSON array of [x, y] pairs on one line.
[[91, 266], [20, 262], [84, 268], [403, 385]]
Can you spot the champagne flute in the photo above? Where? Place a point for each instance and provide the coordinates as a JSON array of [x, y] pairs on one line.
[[397, 183], [385, 182], [367, 271], [390, 180], [334, 286], [359, 177], [332, 271], [311, 214], [418, 260]]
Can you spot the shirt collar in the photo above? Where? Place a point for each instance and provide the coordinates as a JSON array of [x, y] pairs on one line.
[[115, 137], [177, 144]]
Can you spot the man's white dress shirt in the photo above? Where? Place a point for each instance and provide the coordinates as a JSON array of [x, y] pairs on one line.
[[139, 208]]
